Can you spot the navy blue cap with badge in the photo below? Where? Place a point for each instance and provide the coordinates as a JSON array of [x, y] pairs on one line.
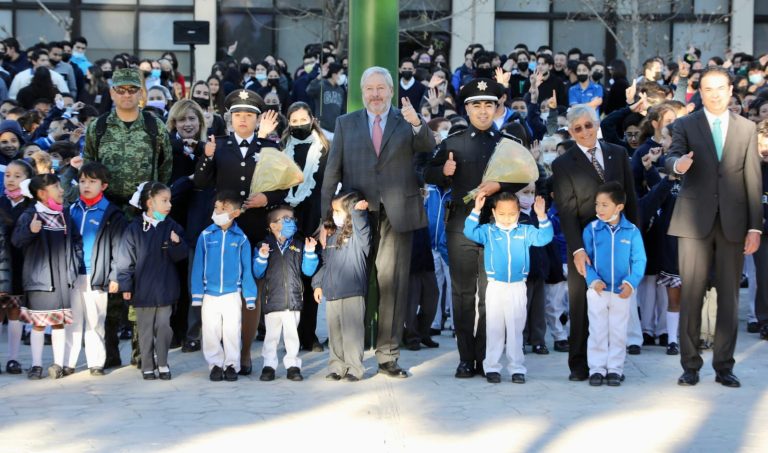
[[481, 90], [244, 101]]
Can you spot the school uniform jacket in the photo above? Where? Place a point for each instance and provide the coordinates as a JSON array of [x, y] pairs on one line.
[[617, 256], [282, 270]]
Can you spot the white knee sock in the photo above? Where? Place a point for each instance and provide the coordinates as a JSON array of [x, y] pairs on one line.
[[14, 339], [37, 340], [59, 343], [673, 319]]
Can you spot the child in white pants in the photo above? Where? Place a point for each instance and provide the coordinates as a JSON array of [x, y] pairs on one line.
[[221, 278], [281, 260], [507, 263], [615, 267]]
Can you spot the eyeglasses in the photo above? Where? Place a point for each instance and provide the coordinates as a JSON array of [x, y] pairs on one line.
[[126, 90], [587, 126], [632, 134]]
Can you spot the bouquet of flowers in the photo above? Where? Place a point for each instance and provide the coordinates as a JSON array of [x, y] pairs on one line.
[[510, 163], [275, 171]]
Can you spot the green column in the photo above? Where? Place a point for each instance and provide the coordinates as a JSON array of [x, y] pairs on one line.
[[373, 41]]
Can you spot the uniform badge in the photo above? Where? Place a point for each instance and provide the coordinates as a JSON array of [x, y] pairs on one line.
[[482, 86], [243, 95]]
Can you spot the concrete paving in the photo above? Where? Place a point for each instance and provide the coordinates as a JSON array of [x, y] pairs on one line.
[[430, 411]]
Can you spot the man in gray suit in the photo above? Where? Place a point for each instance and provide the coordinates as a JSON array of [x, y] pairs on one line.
[[372, 152], [717, 215]]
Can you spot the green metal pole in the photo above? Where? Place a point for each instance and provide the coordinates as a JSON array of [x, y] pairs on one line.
[[373, 41]]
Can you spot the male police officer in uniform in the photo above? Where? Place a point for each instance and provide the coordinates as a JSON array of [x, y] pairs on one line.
[[228, 165], [459, 164]]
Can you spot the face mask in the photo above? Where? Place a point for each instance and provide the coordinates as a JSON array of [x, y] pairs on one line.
[[160, 105], [406, 75], [273, 107], [308, 68], [695, 85], [55, 164], [65, 57], [342, 79], [443, 134], [107, 74], [147, 74], [261, 77], [338, 220], [273, 82], [544, 116], [2, 55], [582, 77], [743, 70], [657, 75], [158, 216], [289, 229], [155, 73], [522, 66], [165, 74], [54, 205], [220, 219], [611, 219], [549, 157], [597, 76], [526, 201], [301, 132], [202, 102], [755, 79], [76, 54], [13, 193], [522, 113]]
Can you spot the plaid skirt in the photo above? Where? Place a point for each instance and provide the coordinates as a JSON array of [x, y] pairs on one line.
[[669, 280], [11, 301]]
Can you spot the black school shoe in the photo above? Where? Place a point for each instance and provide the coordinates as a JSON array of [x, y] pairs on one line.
[[190, 346], [35, 373], [562, 346], [67, 371], [230, 375], [245, 370], [664, 339], [596, 380], [148, 375], [13, 367], [753, 327], [540, 349], [333, 377], [164, 375], [518, 378], [96, 371], [294, 374], [648, 340], [267, 374], [673, 349], [493, 378], [614, 379], [634, 349], [55, 372], [217, 374]]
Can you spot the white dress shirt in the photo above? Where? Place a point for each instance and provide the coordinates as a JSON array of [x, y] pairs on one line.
[[598, 154], [243, 149]]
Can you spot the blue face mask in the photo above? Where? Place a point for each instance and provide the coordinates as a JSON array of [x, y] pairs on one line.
[[55, 164], [289, 229], [158, 216], [155, 73], [261, 77]]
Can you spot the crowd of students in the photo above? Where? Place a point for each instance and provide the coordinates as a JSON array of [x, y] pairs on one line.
[[66, 246]]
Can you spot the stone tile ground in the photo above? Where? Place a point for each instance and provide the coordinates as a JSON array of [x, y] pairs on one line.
[[431, 411]]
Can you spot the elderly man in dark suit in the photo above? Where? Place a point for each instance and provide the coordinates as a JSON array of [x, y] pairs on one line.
[[576, 175], [372, 151], [717, 215]]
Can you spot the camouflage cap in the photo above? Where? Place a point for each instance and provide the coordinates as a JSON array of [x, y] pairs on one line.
[[126, 76]]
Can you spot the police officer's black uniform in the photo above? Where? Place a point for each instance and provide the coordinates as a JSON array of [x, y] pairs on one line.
[[471, 148]]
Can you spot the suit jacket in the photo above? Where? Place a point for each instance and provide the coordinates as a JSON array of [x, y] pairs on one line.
[[388, 179], [732, 187], [576, 182]]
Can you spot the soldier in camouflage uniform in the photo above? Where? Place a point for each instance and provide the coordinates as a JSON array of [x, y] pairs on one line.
[[133, 151]]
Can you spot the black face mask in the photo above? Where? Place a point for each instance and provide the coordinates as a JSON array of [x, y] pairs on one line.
[[522, 66], [301, 132], [146, 74], [597, 76], [165, 75], [244, 68], [65, 57], [582, 77], [274, 108], [273, 82], [2, 55], [202, 102], [695, 85], [406, 75], [107, 74]]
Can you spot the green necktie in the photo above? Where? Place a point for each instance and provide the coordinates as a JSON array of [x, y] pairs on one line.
[[717, 136]]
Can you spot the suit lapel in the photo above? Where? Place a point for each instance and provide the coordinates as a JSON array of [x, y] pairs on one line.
[[730, 148], [366, 131], [706, 134], [610, 162], [580, 160], [393, 119]]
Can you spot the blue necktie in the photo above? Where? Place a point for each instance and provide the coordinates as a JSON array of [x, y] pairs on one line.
[[717, 136]]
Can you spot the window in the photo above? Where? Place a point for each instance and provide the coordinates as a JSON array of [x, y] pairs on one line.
[[254, 34], [156, 30], [589, 36], [700, 36], [33, 26], [528, 6], [108, 32], [508, 33]]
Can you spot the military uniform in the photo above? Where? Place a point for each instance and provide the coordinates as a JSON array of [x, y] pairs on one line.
[[231, 169], [472, 149]]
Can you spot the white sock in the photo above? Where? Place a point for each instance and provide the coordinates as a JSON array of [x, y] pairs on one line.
[[673, 319], [59, 343], [14, 338], [163, 369], [36, 341]]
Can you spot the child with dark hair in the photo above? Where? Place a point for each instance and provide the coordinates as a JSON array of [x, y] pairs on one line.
[[221, 276], [281, 261], [12, 204], [101, 225], [66, 163], [147, 276], [507, 262], [615, 267], [343, 282], [52, 250]]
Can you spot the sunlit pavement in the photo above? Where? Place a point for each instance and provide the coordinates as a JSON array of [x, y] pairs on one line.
[[430, 411]]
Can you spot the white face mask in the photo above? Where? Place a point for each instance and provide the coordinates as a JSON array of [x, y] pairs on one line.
[[443, 134], [338, 220], [526, 201], [342, 79], [549, 157], [610, 220], [544, 116], [220, 219]]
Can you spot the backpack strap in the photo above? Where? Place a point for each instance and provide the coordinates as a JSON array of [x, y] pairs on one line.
[[150, 126], [101, 129]]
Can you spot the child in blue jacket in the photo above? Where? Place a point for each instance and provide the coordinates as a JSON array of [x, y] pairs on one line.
[[615, 267], [281, 260], [221, 278], [507, 263]]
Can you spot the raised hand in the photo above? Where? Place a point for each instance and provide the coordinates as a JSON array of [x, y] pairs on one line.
[[630, 92], [361, 205], [684, 163], [435, 81], [540, 207], [503, 77], [309, 244], [175, 237], [232, 48], [267, 123], [449, 168], [264, 249], [76, 162], [35, 225], [409, 113], [552, 103], [210, 146], [433, 99], [479, 201]]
